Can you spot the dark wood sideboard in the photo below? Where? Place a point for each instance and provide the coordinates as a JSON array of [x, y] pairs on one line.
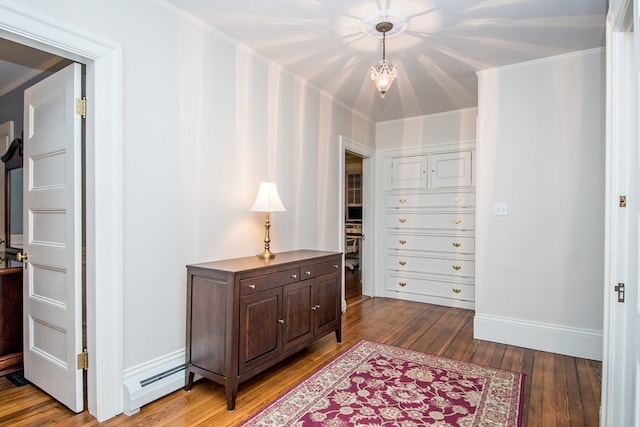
[[10, 320], [246, 314]]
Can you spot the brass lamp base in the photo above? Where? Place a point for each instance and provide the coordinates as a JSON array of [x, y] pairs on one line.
[[266, 254]]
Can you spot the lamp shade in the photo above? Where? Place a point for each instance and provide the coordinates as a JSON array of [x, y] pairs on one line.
[[267, 199]]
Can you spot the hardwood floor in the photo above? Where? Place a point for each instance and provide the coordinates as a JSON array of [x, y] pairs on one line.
[[559, 390]]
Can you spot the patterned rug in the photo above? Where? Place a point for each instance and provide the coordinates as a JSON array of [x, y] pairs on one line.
[[374, 384]]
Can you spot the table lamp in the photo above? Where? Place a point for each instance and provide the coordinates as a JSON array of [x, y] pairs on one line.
[[267, 201]]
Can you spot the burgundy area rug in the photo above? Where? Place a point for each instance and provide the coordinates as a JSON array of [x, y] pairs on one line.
[[374, 384]]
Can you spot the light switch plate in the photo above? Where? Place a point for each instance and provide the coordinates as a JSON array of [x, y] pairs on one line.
[[500, 209]]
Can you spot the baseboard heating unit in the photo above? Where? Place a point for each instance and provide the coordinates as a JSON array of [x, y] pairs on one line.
[[151, 381]]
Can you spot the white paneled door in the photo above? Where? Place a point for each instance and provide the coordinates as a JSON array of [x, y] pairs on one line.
[[52, 240]]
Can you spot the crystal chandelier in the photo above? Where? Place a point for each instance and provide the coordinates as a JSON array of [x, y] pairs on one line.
[[384, 73]]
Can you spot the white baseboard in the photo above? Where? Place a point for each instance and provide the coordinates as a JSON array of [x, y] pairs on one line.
[[152, 380], [575, 342]]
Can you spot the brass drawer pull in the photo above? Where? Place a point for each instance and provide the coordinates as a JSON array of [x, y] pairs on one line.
[[294, 276], [402, 263], [457, 221], [456, 244], [456, 267], [252, 286], [456, 291], [403, 201], [335, 265], [402, 284], [402, 242], [281, 321], [402, 220], [308, 273], [457, 199]]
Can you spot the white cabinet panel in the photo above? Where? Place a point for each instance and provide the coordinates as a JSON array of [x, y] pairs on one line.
[[463, 268], [450, 170], [455, 244], [408, 172]]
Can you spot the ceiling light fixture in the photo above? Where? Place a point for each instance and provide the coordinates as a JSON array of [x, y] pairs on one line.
[[384, 73]]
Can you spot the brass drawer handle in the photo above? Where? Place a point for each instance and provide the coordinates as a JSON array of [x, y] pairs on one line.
[[457, 221], [402, 242], [403, 201], [456, 244], [294, 276], [335, 265], [456, 291], [402, 284], [402, 220], [402, 263], [252, 286], [308, 273], [456, 267], [281, 321], [457, 199]]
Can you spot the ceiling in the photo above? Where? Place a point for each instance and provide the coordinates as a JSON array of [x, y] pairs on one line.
[[444, 44], [440, 46]]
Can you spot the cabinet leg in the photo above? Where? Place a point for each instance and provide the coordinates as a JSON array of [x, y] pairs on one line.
[[339, 335], [231, 391], [189, 382]]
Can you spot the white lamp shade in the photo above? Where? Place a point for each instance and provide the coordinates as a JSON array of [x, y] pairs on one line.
[[267, 199]]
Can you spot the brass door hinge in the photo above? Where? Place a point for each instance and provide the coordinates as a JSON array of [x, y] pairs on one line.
[[623, 201], [83, 360], [620, 290], [81, 107]]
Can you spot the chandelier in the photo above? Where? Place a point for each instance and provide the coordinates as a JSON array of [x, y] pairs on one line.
[[383, 73]]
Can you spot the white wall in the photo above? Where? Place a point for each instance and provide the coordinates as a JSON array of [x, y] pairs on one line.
[[205, 120], [540, 148], [451, 126]]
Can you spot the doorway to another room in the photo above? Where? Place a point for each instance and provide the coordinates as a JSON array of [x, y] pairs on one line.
[[353, 231]]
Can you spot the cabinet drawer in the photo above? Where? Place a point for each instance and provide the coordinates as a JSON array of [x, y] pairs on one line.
[[457, 244], [415, 285], [313, 270], [449, 266], [397, 199], [461, 221], [260, 283]]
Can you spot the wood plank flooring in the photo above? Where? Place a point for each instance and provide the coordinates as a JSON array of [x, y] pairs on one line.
[[559, 390]]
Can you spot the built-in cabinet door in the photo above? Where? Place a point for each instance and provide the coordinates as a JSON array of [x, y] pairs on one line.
[[297, 313], [259, 332], [408, 172], [326, 307], [450, 170]]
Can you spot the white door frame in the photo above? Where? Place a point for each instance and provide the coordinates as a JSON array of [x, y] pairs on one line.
[[618, 376], [104, 193], [367, 201]]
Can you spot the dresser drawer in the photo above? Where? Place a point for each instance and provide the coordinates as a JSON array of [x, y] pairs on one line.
[[458, 267], [398, 199], [415, 285], [457, 244], [255, 284], [461, 221], [313, 270]]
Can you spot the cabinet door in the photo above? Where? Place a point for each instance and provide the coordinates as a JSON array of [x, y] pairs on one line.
[[408, 172], [258, 328], [450, 170], [297, 313], [326, 306]]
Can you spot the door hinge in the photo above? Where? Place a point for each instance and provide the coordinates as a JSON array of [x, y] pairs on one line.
[[83, 360], [623, 201], [81, 107], [620, 290]]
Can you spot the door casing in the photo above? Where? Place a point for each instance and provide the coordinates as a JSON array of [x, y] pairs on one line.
[[104, 193]]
